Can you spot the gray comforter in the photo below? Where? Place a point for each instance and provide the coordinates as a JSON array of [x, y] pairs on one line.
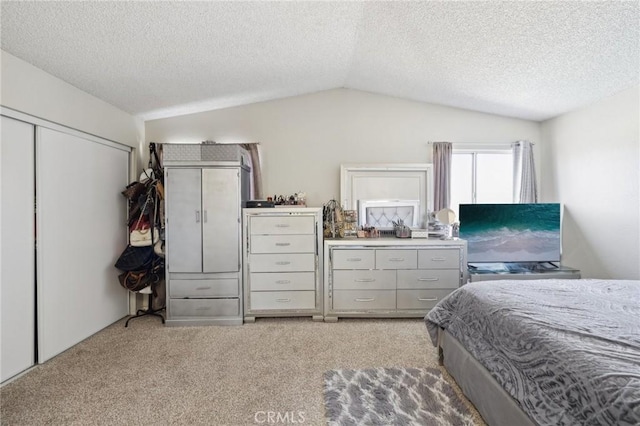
[[568, 351]]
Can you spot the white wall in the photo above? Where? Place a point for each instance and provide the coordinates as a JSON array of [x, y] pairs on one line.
[[592, 158], [304, 139], [30, 90]]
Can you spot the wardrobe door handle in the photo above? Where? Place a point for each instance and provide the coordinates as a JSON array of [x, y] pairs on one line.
[[197, 216], [371, 299], [283, 282], [354, 259], [283, 300], [428, 279], [283, 244], [203, 288], [364, 280], [433, 299], [396, 259], [282, 225], [438, 259], [283, 263], [205, 217]]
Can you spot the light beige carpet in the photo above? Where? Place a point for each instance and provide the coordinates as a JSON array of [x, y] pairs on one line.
[[148, 374]]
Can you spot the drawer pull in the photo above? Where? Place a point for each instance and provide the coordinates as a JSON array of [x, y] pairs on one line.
[[364, 280], [354, 259], [283, 244], [427, 299], [438, 259], [283, 282], [396, 259], [203, 288], [283, 300], [284, 262], [369, 299], [428, 279], [203, 308], [282, 225]]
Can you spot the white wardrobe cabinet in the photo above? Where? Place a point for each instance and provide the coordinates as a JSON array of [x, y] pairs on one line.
[[204, 199]]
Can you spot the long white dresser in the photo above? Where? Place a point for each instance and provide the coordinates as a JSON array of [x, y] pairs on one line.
[[282, 262], [390, 277]]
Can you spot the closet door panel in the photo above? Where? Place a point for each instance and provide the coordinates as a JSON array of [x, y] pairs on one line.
[[17, 263], [81, 233]]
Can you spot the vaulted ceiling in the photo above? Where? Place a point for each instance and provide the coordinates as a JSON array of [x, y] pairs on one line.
[[532, 60]]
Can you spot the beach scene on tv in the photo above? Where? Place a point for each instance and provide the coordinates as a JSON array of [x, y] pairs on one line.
[[511, 232]]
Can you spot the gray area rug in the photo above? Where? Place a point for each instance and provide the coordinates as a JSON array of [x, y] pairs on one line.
[[392, 396]]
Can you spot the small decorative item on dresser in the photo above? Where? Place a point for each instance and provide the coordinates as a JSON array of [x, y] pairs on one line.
[[402, 230]]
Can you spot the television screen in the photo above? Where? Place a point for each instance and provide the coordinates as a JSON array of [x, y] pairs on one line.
[[511, 232]]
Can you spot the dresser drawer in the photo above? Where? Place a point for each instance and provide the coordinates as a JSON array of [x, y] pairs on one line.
[[364, 279], [287, 262], [396, 259], [282, 225], [429, 278], [420, 299], [283, 243], [267, 281], [439, 259], [353, 259], [364, 300], [282, 300], [204, 307], [204, 288]]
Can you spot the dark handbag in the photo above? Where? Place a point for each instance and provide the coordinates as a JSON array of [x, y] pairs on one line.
[[135, 258], [134, 190], [137, 280]]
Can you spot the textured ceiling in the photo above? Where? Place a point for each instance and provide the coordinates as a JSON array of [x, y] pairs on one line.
[[532, 60]]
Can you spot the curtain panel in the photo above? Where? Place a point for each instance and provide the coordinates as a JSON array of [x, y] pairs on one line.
[[524, 173], [256, 169], [442, 155]]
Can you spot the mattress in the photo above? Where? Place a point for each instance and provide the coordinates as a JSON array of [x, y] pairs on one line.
[[567, 351]]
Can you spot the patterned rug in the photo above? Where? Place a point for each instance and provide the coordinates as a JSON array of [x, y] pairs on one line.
[[392, 396]]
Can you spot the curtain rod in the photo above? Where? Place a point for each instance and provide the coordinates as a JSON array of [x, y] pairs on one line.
[[470, 144]]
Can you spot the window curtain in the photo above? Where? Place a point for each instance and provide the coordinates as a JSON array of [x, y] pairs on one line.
[[256, 169], [442, 154], [524, 173]]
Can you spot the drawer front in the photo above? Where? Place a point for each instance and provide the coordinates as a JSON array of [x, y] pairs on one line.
[[364, 279], [364, 300], [396, 259], [353, 259], [439, 259], [429, 278], [420, 299], [282, 225], [282, 300], [282, 281], [204, 307], [204, 288], [283, 243], [282, 262]]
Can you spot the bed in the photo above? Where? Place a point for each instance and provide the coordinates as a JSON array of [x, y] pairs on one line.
[[547, 352]]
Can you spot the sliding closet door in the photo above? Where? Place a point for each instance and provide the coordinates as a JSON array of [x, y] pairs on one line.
[[17, 260], [81, 232]]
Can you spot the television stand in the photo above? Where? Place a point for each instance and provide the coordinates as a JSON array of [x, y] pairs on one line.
[[520, 271]]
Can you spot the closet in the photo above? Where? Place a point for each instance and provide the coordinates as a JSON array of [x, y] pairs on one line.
[[62, 228]]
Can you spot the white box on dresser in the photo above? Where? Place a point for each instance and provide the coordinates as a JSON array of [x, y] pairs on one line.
[[390, 277], [282, 251]]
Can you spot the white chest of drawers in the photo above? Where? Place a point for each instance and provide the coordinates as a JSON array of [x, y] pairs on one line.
[[282, 262], [390, 277]]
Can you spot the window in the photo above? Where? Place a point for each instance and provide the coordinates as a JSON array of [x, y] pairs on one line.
[[481, 176]]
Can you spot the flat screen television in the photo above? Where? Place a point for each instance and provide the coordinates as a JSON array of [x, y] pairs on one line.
[[519, 233]]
